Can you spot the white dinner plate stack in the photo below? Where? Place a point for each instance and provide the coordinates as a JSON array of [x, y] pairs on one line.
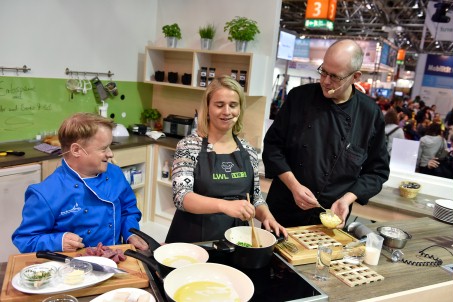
[[443, 210]]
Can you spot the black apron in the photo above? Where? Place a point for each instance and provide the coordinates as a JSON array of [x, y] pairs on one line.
[[224, 176]]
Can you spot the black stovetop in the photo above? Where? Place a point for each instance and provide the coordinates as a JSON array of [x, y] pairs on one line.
[[276, 282]]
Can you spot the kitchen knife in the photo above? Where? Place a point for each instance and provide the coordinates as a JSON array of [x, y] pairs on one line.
[[63, 258]]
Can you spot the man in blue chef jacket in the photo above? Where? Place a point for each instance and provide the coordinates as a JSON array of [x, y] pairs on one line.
[[86, 200]]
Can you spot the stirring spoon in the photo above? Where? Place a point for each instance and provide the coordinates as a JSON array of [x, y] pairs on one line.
[[255, 239]]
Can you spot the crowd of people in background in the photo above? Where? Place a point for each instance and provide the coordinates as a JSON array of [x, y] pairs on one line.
[[413, 119]]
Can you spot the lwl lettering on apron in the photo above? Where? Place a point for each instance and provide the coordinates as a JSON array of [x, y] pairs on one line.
[[218, 176]]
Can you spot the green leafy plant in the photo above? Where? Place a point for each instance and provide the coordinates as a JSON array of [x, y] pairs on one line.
[[151, 114], [172, 30], [241, 29], [207, 32]]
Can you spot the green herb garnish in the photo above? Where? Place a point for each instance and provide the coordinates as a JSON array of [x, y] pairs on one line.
[[244, 244]]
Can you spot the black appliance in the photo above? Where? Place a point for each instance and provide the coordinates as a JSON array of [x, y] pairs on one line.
[[277, 282]]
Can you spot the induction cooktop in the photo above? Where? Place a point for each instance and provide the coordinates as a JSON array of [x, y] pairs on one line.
[[277, 282]]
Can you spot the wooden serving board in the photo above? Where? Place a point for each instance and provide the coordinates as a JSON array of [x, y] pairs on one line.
[[306, 238], [136, 278], [353, 274]]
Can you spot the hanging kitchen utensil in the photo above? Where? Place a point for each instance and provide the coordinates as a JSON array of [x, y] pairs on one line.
[[100, 92]]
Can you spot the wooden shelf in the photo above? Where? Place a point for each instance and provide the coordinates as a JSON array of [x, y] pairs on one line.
[[190, 61]]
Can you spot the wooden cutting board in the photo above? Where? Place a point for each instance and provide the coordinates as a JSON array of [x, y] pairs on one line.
[[306, 238], [136, 278], [353, 274]]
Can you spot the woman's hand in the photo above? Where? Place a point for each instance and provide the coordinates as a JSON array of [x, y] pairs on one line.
[[433, 163], [72, 242], [241, 209]]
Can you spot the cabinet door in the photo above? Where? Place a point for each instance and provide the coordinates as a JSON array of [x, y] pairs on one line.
[[164, 208], [48, 166]]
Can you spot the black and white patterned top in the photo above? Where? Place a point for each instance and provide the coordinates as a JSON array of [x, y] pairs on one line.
[[185, 161]]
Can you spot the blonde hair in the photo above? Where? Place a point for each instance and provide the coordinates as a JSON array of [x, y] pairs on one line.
[[80, 127], [203, 115]]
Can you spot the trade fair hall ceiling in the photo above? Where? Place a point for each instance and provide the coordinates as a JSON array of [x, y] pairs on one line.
[[399, 21]]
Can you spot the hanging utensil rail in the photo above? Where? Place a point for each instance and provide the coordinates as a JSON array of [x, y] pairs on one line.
[[24, 69], [72, 72]]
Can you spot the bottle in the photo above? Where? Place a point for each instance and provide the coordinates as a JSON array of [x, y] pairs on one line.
[[165, 170], [194, 123]]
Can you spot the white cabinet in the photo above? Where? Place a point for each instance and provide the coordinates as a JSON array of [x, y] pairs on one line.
[[14, 181], [190, 61], [164, 208]]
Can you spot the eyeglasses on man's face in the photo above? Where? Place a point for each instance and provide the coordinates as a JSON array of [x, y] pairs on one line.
[[333, 77]]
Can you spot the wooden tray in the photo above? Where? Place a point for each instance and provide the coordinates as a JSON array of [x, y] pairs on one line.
[[353, 274], [305, 238], [137, 277]]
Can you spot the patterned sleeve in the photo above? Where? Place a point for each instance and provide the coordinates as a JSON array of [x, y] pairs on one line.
[[184, 163], [257, 196]]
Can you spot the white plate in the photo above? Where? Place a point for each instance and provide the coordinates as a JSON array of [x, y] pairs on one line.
[[60, 287], [446, 203], [134, 293]]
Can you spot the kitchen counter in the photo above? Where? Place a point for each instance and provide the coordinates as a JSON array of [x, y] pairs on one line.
[[388, 205], [402, 282], [34, 156]]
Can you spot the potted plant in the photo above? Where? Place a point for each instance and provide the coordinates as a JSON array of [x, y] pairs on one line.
[[150, 116], [207, 34], [173, 33], [241, 30]]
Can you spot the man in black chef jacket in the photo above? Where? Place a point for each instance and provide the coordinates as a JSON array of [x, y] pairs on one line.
[[326, 145]]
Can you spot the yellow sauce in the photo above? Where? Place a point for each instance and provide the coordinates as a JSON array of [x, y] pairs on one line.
[[74, 277], [206, 291], [178, 261]]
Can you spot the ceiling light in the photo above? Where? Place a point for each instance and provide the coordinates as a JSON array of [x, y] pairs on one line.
[[420, 14], [415, 6], [302, 37]]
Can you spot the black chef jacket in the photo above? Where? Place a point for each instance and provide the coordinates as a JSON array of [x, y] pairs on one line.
[[331, 149]]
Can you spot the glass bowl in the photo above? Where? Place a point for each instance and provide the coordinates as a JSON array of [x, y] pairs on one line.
[[329, 221], [61, 298], [354, 252], [74, 272], [37, 276]]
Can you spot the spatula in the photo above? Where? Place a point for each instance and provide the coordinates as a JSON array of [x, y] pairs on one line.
[[255, 238]]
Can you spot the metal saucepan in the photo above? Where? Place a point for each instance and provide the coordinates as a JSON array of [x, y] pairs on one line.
[[167, 257], [394, 237], [191, 281], [250, 257]]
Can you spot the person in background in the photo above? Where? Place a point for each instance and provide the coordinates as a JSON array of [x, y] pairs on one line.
[[86, 200], [422, 127], [449, 125], [430, 144], [392, 129], [410, 132], [327, 144], [214, 170]]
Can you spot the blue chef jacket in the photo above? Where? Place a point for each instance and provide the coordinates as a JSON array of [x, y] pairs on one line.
[[98, 209]]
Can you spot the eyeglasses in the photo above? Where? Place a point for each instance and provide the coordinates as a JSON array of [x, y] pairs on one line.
[[333, 77]]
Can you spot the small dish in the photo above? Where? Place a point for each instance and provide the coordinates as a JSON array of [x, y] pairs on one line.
[[329, 221], [74, 272], [354, 252], [61, 298], [37, 276]]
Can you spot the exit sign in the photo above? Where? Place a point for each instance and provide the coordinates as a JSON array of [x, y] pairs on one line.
[[319, 24]]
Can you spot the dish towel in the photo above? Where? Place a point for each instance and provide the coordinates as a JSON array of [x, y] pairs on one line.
[[44, 147], [155, 134]]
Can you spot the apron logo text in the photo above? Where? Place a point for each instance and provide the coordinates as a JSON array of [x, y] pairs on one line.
[[239, 175], [217, 176]]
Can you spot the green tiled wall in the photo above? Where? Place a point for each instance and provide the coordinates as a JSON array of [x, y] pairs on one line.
[[31, 106]]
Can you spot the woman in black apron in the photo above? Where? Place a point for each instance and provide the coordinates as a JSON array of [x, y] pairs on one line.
[[214, 170]]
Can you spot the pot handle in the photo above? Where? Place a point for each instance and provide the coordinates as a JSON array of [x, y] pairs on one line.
[[280, 238], [153, 244], [147, 260]]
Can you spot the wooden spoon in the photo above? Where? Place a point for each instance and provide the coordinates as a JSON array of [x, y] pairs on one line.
[[255, 238]]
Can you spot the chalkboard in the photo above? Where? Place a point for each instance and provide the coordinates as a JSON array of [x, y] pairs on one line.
[[31, 106]]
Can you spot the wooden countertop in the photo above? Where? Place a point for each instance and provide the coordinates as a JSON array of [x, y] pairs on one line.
[[400, 278], [34, 156]]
